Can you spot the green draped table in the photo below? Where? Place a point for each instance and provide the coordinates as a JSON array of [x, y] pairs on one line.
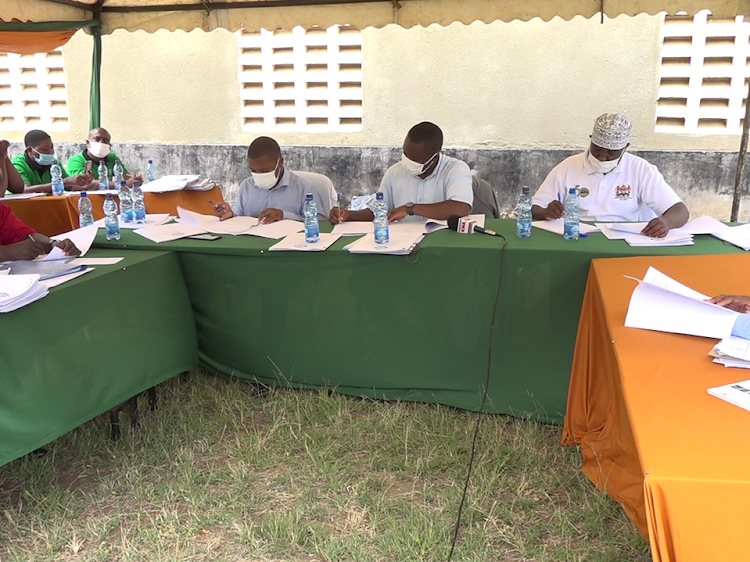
[[91, 344], [399, 327]]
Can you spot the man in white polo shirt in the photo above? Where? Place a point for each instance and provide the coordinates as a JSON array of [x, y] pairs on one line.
[[426, 184], [613, 185]]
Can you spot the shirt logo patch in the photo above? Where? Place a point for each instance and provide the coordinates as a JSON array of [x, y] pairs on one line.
[[583, 192], [622, 192]]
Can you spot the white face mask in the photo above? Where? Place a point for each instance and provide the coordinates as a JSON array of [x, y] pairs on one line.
[[602, 167], [266, 180], [415, 168], [99, 149]]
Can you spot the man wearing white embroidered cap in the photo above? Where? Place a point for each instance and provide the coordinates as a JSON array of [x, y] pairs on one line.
[[613, 184]]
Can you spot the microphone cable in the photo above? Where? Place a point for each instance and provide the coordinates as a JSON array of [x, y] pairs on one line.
[[484, 398]]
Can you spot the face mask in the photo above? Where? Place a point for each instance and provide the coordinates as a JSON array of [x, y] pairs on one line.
[[602, 167], [99, 149], [44, 159], [265, 180], [415, 168]]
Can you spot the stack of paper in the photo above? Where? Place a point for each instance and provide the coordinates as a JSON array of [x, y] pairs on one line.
[[278, 229], [558, 225], [296, 243], [683, 236], [176, 183], [423, 227], [661, 303], [151, 220], [737, 393], [736, 235], [732, 352], [399, 244], [211, 223], [168, 232], [19, 290]]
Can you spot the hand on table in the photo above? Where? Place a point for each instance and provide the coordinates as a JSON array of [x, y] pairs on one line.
[[398, 213], [335, 218], [68, 247], [737, 303], [223, 211], [131, 179], [656, 228], [554, 211], [25, 250], [270, 215], [81, 182]]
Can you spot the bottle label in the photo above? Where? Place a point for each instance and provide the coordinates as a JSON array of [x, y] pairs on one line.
[[381, 235], [312, 230]]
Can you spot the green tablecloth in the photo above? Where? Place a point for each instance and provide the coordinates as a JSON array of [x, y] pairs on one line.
[[91, 344], [394, 327]]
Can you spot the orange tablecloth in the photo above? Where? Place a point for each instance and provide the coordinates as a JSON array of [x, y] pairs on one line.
[[55, 215], [676, 458]]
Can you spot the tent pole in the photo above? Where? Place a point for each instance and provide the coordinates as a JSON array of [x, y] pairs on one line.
[[95, 94], [739, 179]]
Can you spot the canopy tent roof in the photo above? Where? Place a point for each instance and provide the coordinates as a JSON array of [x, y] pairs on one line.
[[152, 15]]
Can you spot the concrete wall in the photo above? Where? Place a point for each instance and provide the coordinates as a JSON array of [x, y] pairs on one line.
[[704, 179], [507, 85]]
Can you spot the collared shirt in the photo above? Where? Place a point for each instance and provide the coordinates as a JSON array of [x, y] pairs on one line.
[[741, 327], [288, 196], [449, 181], [12, 230], [32, 176], [77, 163], [634, 191]]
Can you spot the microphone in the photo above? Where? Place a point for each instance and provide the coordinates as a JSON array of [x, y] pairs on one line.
[[454, 223]]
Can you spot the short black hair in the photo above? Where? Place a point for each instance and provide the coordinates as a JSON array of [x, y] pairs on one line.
[[264, 146], [33, 138], [428, 134]]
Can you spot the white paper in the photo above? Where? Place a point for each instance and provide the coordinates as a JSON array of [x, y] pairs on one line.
[[296, 243], [19, 290], [167, 183], [701, 225], [168, 232], [211, 223], [95, 261], [399, 243], [55, 254], [662, 304], [276, 230], [60, 279], [151, 220], [16, 196], [353, 228], [736, 235], [83, 238], [736, 393], [558, 225], [114, 192]]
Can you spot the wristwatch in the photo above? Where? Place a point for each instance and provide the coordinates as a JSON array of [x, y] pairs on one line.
[[410, 208]]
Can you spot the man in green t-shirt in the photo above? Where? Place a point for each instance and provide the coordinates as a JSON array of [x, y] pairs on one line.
[[34, 164], [98, 149]]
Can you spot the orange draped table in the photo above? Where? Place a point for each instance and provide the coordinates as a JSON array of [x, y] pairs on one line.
[[676, 458], [55, 215]]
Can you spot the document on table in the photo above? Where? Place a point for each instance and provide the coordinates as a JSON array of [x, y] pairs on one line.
[[96, 261], [558, 225], [168, 183], [211, 223], [399, 244], [16, 196], [168, 232], [732, 352], [737, 393], [60, 279], [353, 228], [660, 303], [19, 290], [278, 229], [83, 238], [631, 233], [151, 220], [736, 235], [296, 243]]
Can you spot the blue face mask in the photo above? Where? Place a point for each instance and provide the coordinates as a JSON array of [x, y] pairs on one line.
[[44, 159]]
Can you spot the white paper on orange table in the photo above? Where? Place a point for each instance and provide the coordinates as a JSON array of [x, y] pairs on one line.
[[168, 183], [662, 304]]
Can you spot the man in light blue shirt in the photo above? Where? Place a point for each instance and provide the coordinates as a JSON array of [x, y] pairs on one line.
[[426, 184], [272, 193], [738, 304]]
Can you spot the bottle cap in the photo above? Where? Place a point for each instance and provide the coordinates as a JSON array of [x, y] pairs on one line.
[[83, 194], [308, 197]]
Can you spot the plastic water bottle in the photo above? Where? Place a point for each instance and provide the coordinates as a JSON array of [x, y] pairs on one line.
[[380, 210], [111, 221], [117, 173], [58, 188], [85, 211], [139, 207], [150, 171], [312, 229], [523, 214], [126, 202], [572, 213], [103, 175]]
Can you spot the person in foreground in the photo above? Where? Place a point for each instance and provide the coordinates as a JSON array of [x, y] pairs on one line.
[[34, 165], [272, 193], [98, 149], [613, 184], [10, 179], [426, 184], [20, 242], [740, 304]]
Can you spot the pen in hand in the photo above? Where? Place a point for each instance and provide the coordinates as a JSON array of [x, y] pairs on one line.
[[338, 202]]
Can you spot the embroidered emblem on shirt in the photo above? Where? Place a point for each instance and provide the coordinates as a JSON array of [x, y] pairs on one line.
[[583, 192], [622, 192]]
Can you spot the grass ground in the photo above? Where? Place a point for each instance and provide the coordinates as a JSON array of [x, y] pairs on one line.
[[218, 474]]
